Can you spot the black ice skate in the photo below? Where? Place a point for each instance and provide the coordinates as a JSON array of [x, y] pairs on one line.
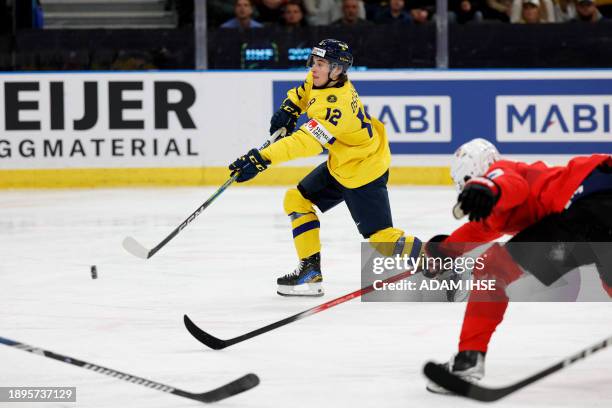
[[305, 280], [468, 365]]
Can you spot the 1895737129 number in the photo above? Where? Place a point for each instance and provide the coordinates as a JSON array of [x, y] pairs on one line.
[[37, 394]]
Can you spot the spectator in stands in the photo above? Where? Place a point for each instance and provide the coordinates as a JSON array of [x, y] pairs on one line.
[[338, 12], [243, 10], [350, 14], [420, 15], [565, 10], [320, 12], [294, 14], [394, 13], [270, 11], [587, 12], [532, 12], [465, 11]]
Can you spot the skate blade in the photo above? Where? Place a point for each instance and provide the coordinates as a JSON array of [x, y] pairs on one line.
[[306, 289]]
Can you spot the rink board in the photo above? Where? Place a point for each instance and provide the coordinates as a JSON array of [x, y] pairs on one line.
[[105, 129]]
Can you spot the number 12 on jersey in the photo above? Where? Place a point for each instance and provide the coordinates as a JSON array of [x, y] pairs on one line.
[[333, 115]]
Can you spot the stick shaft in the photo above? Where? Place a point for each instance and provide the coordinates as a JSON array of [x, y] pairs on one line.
[[209, 201], [193, 215], [218, 344]]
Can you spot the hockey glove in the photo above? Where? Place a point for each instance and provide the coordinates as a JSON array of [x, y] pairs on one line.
[[248, 165], [286, 117], [434, 249], [478, 198]]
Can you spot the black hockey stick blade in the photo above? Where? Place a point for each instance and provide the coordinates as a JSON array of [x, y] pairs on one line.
[[441, 376], [242, 384], [225, 391], [203, 337], [218, 344], [438, 374]]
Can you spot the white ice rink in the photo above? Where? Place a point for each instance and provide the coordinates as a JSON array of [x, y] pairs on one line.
[[222, 272]]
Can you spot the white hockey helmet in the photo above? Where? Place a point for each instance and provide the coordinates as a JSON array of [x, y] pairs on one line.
[[473, 159]]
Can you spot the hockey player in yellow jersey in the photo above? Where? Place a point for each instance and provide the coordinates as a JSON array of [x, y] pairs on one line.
[[356, 171]]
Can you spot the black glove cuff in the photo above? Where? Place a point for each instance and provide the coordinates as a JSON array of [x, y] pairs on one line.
[[291, 108]]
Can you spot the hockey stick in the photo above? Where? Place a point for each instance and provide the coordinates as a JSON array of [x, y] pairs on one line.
[[137, 249], [459, 386], [225, 391], [217, 344]]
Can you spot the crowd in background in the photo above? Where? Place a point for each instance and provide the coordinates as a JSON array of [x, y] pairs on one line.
[[167, 50], [246, 14]]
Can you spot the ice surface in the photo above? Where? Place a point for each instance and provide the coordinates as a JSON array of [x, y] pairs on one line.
[[222, 272]]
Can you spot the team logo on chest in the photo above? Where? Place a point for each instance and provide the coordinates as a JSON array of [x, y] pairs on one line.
[[332, 98]]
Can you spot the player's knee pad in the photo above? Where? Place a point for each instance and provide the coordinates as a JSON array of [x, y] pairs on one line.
[[392, 241], [296, 203]]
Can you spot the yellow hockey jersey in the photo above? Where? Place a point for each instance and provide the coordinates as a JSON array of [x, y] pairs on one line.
[[357, 144]]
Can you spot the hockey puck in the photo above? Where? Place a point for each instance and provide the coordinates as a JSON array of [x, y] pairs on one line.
[[94, 272]]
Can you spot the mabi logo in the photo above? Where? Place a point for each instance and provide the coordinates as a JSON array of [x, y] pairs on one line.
[[553, 118]]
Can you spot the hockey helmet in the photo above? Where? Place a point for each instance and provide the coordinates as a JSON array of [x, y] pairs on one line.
[[473, 159], [338, 53]]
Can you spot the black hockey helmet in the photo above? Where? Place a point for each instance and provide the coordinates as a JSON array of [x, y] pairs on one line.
[[338, 53]]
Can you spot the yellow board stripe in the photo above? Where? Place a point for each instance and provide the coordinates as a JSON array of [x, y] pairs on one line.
[[189, 176]]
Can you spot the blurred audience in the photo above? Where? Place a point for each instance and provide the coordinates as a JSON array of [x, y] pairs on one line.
[[351, 14], [218, 11], [270, 11], [320, 12], [243, 12], [565, 10], [587, 12], [498, 10], [532, 12], [294, 14], [420, 15], [465, 11], [394, 13]]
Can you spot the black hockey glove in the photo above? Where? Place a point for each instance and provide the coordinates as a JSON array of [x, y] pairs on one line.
[[286, 116], [434, 249], [248, 165], [478, 198]]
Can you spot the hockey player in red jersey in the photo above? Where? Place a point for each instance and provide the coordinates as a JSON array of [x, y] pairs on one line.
[[533, 203]]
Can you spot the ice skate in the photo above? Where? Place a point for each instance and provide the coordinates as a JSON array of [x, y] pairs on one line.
[[305, 280], [468, 365]]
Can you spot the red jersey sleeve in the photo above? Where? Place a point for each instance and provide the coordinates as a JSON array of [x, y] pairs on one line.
[[514, 188]]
